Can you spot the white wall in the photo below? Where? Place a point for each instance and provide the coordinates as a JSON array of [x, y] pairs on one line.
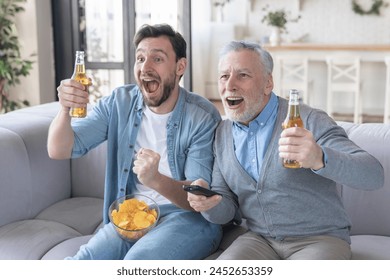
[[325, 21], [322, 21], [35, 34]]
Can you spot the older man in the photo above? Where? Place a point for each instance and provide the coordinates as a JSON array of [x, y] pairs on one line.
[[290, 213]]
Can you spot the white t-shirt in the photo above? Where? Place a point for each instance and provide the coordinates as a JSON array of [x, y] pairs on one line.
[[153, 135]]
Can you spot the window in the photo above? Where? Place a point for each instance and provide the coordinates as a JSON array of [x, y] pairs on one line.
[[104, 29]]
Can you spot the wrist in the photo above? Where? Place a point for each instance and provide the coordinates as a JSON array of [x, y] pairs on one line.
[[155, 181], [65, 110], [321, 164], [318, 166]]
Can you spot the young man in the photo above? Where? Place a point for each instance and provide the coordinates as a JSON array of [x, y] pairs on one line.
[[159, 137], [290, 213]]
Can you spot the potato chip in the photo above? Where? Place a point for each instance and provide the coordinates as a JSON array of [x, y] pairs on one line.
[[140, 220], [154, 213], [151, 218], [134, 214]]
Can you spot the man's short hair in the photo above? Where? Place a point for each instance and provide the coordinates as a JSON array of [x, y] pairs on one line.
[[265, 57], [153, 31]]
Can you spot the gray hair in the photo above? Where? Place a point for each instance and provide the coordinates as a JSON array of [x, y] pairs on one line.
[[265, 57]]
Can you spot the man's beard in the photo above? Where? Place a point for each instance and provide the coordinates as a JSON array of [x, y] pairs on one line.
[[248, 114], [168, 87], [242, 117]]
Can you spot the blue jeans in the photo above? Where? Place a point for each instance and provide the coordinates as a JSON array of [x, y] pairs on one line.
[[179, 235]]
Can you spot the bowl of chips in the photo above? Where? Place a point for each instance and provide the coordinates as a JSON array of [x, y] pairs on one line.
[[133, 216]]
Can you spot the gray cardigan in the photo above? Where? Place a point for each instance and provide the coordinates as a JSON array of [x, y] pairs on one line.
[[292, 202]]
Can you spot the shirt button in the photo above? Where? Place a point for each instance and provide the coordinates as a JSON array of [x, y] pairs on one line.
[[126, 170], [122, 189], [258, 191], [131, 146]]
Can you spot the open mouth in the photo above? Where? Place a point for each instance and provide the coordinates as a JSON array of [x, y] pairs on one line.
[[150, 85], [232, 101]]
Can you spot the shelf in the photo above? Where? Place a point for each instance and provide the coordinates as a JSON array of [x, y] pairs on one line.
[[329, 47]]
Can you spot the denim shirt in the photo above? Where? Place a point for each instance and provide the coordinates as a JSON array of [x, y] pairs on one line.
[[117, 118]]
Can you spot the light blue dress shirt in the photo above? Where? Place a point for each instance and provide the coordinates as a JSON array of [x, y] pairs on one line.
[[117, 118], [251, 142]]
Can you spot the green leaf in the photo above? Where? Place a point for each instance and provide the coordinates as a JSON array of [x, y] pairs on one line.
[[12, 64]]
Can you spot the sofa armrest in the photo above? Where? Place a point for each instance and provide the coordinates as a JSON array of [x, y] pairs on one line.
[[30, 180]]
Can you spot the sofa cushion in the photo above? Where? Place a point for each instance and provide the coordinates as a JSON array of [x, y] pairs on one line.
[[88, 173], [368, 210], [31, 239], [370, 247], [68, 248], [84, 214], [15, 191], [230, 233], [45, 181], [47, 110]]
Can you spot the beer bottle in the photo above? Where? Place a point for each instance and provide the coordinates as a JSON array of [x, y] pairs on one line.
[[293, 119], [80, 76]]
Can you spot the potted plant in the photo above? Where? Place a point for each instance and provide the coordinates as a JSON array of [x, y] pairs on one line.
[[277, 19], [219, 5], [12, 65]]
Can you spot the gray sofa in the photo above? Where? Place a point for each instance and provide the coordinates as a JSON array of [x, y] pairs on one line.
[[48, 208]]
